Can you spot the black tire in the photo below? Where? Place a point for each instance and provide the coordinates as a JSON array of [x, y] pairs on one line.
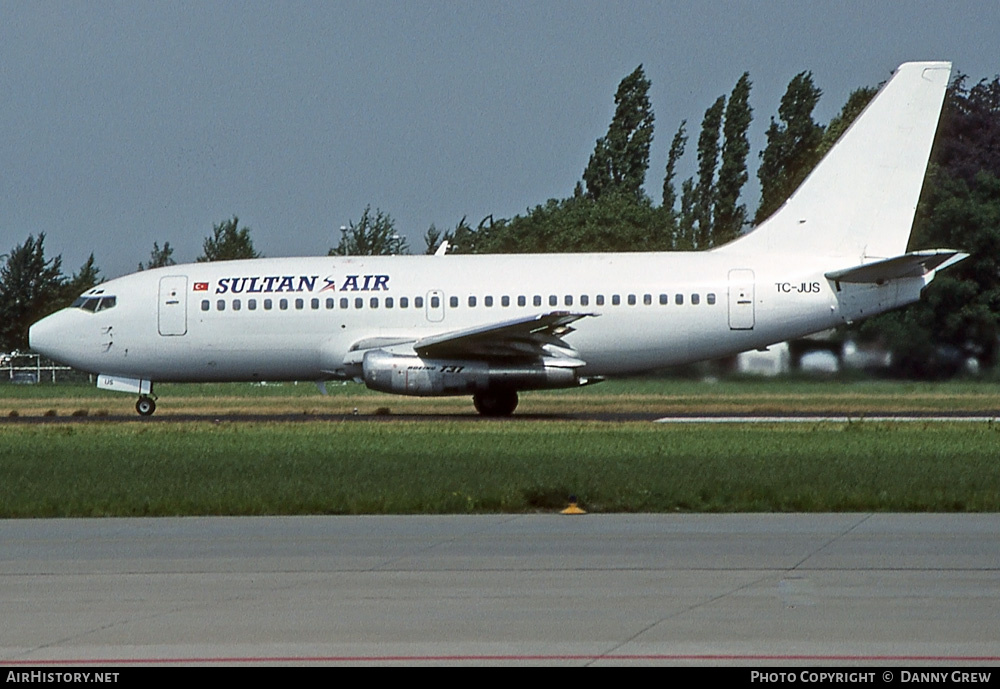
[[145, 406], [495, 402]]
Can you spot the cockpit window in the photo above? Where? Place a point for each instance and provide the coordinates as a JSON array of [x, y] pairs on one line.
[[94, 304]]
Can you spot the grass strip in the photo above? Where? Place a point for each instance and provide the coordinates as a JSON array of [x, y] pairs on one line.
[[503, 466]]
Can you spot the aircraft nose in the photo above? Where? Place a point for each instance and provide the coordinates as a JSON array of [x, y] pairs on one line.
[[45, 335]]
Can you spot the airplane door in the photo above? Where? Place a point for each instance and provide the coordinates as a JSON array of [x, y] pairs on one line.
[[172, 315], [741, 299], [435, 306]]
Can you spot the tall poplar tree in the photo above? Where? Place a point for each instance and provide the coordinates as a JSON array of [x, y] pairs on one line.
[[708, 159], [792, 145], [621, 157], [730, 215]]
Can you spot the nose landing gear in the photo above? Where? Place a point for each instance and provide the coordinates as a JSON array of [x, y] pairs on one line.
[[145, 406]]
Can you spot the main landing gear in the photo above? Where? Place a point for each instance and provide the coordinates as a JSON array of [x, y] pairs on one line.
[[145, 405], [495, 402]]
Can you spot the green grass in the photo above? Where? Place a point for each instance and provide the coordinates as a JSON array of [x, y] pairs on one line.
[[100, 469], [648, 395]]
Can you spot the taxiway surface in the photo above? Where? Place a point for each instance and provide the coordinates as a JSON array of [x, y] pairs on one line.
[[503, 589]]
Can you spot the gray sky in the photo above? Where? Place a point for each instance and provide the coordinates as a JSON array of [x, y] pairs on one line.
[[126, 123]]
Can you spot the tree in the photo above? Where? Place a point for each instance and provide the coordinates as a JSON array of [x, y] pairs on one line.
[[227, 243], [730, 216], [621, 157], [677, 145], [856, 102], [461, 240], [372, 235], [708, 158], [958, 315], [792, 146], [88, 276], [31, 287], [159, 258]]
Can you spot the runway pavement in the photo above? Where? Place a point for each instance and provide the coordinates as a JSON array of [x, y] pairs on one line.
[[767, 589]]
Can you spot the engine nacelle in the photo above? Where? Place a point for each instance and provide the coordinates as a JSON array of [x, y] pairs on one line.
[[411, 375]]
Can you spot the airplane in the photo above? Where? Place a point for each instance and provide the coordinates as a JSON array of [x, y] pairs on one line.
[[491, 326]]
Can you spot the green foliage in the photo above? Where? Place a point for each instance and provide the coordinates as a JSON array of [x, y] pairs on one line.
[[227, 243], [677, 145], [730, 215], [708, 159], [373, 235], [159, 258], [792, 146], [31, 287], [614, 222], [959, 313], [856, 102], [88, 276], [621, 158], [98, 469], [461, 240]]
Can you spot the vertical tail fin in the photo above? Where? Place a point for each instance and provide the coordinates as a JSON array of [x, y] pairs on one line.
[[860, 199]]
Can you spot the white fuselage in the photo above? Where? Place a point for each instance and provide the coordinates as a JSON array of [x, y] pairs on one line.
[[298, 318]]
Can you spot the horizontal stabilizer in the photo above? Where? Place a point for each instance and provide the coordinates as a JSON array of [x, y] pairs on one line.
[[912, 265]]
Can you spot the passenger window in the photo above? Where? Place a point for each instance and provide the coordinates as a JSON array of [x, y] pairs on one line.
[[553, 300], [314, 303], [678, 299], [631, 300], [435, 302], [647, 299], [359, 303], [373, 302], [344, 303], [584, 300], [600, 300], [299, 303], [522, 301], [568, 300], [488, 301], [237, 305], [283, 304], [710, 298], [504, 301], [267, 304], [330, 302], [615, 300], [472, 301], [453, 302], [205, 305], [537, 300], [221, 305], [695, 299], [252, 304], [388, 302], [404, 302], [418, 302], [664, 300]]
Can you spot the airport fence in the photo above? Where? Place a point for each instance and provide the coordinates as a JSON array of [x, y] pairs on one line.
[[28, 368]]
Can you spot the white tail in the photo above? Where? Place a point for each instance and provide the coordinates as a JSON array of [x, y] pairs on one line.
[[858, 203]]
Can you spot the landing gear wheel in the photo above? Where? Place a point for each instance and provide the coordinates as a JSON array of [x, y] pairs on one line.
[[145, 406], [495, 402]]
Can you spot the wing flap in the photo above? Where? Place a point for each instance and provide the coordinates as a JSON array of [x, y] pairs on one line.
[[522, 338]]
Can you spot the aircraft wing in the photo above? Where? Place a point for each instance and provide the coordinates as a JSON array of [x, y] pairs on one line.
[[912, 265], [515, 339]]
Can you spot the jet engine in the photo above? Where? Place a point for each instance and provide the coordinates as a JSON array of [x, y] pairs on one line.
[[405, 374]]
